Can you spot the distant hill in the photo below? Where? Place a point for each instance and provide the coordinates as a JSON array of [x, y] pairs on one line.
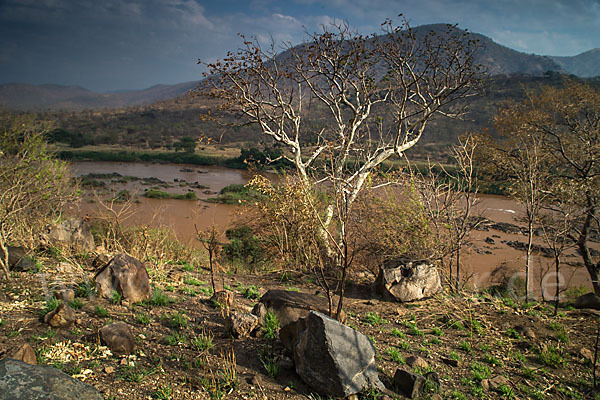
[[585, 65], [18, 96], [499, 60]]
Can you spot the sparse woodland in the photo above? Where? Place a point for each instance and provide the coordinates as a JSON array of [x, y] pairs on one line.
[[339, 211]]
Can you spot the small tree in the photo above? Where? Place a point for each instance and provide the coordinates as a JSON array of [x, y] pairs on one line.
[[33, 186], [352, 82]]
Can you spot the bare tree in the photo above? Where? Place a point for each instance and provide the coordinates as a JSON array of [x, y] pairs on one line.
[[322, 100]]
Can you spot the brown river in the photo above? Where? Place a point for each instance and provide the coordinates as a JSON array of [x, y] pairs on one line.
[[488, 260]]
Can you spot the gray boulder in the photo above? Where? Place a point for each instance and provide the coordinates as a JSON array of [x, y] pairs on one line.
[[403, 280], [125, 274], [333, 359], [588, 300], [21, 381], [73, 233], [118, 338], [291, 306]]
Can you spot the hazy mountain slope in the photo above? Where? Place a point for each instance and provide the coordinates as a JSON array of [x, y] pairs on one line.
[[585, 65], [57, 97]]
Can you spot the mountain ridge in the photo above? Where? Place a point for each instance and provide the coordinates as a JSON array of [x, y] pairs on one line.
[[499, 60]]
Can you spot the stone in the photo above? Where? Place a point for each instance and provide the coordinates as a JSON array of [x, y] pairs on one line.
[[241, 324], [404, 281], [588, 300], [18, 260], [66, 295], [25, 354], [413, 385], [525, 331], [118, 338], [333, 359], [496, 382], [587, 354], [260, 311], [125, 274], [63, 316], [450, 361], [288, 334], [416, 362], [109, 369], [101, 260], [73, 233], [22, 381], [409, 384], [291, 306]]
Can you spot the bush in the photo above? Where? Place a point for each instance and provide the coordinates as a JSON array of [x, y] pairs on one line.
[[34, 185], [244, 247]]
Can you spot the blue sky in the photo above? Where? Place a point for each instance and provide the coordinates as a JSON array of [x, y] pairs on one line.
[[106, 45]]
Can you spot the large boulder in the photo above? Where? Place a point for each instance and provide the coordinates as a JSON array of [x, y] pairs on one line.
[[73, 233], [291, 306], [118, 338], [333, 359], [588, 300], [125, 274], [404, 280], [21, 381]]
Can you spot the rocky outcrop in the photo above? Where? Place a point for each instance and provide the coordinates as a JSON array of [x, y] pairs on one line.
[[21, 381], [126, 275], [291, 306], [333, 359], [407, 280], [73, 233], [118, 338]]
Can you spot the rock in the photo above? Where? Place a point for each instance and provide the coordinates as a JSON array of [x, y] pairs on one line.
[[525, 331], [409, 384], [288, 334], [286, 363], [407, 280], [589, 300], [101, 260], [450, 361], [125, 274], [416, 362], [109, 370], [333, 359], [118, 338], [66, 268], [18, 260], [241, 324], [496, 382], [66, 295], [73, 233], [413, 385], [21, 381], [291, 306], [260, 311], [63, 316], [489, 240], [25, 354], [587, 354]]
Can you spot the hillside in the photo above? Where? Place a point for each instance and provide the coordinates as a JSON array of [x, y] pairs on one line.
[[584, 65]]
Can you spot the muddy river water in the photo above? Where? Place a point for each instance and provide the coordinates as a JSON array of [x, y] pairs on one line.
[[488, 260]]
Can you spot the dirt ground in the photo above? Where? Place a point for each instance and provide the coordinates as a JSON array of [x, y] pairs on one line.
[[184, 351]]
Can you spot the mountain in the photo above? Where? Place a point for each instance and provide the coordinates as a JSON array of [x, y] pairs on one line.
[[585, 65], [75, 98], [499, 60]]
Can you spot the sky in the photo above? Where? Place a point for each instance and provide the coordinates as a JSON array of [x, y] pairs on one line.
[[109, 45]]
